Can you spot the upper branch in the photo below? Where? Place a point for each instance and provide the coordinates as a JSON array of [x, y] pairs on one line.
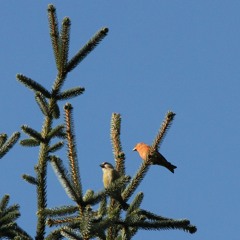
[[72, 152], [163, 130], [83, 52], [116, 143]]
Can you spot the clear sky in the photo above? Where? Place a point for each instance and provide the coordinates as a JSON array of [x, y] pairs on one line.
[[174, 55]]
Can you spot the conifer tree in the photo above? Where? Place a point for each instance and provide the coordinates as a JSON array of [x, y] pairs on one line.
[[93, 215]]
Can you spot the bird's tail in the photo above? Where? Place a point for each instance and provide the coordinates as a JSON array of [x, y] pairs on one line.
[[170, 167]]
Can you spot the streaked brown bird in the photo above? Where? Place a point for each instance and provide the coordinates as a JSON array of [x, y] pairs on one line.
[[109, 176], [157, 158]]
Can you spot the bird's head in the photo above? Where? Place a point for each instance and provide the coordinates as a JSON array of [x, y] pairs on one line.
[[106, 165], [138, 146]]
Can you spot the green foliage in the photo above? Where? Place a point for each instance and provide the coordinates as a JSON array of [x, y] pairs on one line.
[[9, 229], [42, 103], [118, 153], [30, 142], [33, 85], [33, 133], [104, 214], [74, 92], [58, 131], [30, 179], [7, 144]]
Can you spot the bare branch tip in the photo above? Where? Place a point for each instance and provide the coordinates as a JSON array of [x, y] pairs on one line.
[[68, 106], [66, 21], [170, 115], [192, 229], [105, 30], [51, 8]]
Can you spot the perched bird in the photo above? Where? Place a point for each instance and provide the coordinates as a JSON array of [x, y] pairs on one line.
[[156, 159], [109, 176]]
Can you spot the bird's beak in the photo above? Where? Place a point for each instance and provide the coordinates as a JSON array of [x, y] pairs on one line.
[[134, 149], [101, 165]]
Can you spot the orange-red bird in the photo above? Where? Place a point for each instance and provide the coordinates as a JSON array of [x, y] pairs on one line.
[[157, 158]]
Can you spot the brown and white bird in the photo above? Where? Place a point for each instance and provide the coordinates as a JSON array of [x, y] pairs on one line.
[[157, 158], [109, 176]]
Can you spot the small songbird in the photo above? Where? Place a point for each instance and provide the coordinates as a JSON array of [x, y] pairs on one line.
[[109, 176], [156, 159]]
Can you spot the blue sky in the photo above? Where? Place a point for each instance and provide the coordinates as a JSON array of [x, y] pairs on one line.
[[174, 55]]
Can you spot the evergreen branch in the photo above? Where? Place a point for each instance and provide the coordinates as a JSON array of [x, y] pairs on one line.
[[31, 84], [4, 202], [62, 58], [33, 133], [116, 143], [9, 143], [134, 217], [64, 45], [136, 203], [86, 223], [163, 130], [61, 221], [54, 235], [74, 92], [58, 131], [42, 103], [8, 226], [54, 34], [3, 139], [129, 232], [152, 216], [96, 198], [191, 229], [10, 215], [60, 211], [21, 233], [114, 191], [88, 195], [164, 225], [132, 186], [102, 225], [12, 208], [30, 179], [117, 184], [126, 234], [113, 229], [58, 83], [55, 111], [63, 177], [41, 170], [7, 230], [133, 231], [30, 142], [102, 211], [56, 147], [13, 231], [72, 153], [70, 234], [83, 52]]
